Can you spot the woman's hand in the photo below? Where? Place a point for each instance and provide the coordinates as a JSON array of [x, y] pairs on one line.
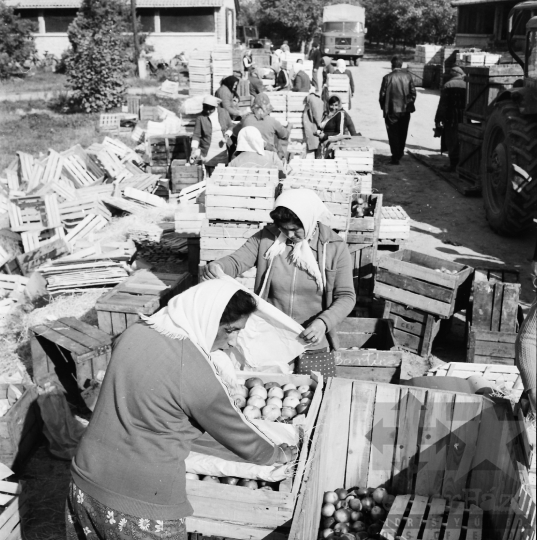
[[290, 453], [211, 271], [314, 333]]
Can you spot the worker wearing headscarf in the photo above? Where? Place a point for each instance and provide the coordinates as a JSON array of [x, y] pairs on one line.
[[282, 80], [303, 268], [162, 390], [328, 68], [251, 152], [450, 113], [227, 93], [256, 85], [312, 118], [341, 67], [272, 131], [302, 82], [212, 134]]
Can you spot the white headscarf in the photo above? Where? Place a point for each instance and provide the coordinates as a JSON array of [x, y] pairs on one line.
[[250, 140], [341, 66], [309, 209]]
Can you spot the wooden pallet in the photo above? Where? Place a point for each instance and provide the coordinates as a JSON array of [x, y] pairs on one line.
[[14, 507], [413, 442], [256, 514], [496, 294], [20, 427], [409, 515], [69, 351], [414, 330], [367, 351], [500, 375], [416, 280], [143, 293]]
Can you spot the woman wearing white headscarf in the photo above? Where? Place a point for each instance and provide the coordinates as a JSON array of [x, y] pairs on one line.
[[303, 268], [341, 68], [161, 391], [251, 152]]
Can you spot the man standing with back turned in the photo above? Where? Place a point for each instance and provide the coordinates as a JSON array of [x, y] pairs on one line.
[[397, 97]]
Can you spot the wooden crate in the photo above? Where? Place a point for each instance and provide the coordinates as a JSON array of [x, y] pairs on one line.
[[69, 351], [469, 166], [365, 229], [500, 375], [182, 176], [484, 84], [34, 213], [417, 280], [417, 442], [496, 294], [364, 259], [144, 293], [163, 149], [417, 71], [394, 224], [235, 194], [521, 519], [15, 505], [234, 512], [20, 427], [219, 239], [367, 350], [414, 330], [360, 158]]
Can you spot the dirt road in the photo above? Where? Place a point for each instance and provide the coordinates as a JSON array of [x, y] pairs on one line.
[[444, 222]]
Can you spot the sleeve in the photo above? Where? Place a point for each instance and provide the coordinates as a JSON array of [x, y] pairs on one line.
[[227, 104], [204, 399], [344, 296], [228, 123], [317, 111], [382, 95], [197, 131], [243, 259], [281, 132], [440, 115], [412, 88], [351, 80], [349, 124]]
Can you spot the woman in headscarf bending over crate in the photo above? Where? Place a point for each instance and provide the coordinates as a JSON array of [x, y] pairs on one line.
[[226, 93], [212, 135], [304, 269], [163, 389]]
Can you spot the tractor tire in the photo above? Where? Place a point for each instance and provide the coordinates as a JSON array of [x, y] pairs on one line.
[[510, 139]]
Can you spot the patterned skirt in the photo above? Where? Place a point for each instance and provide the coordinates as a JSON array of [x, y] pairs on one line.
[[321, 360], [88, 519]]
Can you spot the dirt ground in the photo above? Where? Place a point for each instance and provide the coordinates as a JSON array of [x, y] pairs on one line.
[[443, 223]]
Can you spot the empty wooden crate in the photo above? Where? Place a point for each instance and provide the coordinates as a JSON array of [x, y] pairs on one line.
[[144, 293], [419, 443], [20, 427], [14, 505], [367, 351], [69, 351], [423, 282]]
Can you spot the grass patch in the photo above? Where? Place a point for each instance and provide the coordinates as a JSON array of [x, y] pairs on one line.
[[37, 81]]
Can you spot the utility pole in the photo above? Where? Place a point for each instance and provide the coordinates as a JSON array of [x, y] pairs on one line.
[[135, 32]]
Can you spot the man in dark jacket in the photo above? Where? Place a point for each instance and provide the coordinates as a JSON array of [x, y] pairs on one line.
[[397, 97], [315, 57], [450, 114]]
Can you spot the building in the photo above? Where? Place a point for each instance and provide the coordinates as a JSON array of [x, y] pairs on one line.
[[172, 26], [484, 23]]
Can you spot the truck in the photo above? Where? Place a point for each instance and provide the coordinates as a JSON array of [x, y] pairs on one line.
[[249, 35], [343, 32], [509, 148]]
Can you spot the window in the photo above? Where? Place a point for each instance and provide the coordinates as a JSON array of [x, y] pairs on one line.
[[29, 15], [476, 19], [58, 20], [147, 19], [187, 20], [347, 27]]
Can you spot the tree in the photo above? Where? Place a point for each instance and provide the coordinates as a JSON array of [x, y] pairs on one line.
[[16, 41], [101, 43]]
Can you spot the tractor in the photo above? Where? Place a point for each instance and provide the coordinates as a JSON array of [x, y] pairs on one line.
[[509, 149]]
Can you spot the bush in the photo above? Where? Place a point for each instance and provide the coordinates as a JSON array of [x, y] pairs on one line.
[[16, 41], [99, 60]]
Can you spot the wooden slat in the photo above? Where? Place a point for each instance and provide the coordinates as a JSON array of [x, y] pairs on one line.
[[394, 519], [454, 521], [475, 523], [415, 518], [434, 519]]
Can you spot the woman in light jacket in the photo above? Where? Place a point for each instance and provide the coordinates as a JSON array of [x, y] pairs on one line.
[[312, 118], [303, 268], [212, 135]]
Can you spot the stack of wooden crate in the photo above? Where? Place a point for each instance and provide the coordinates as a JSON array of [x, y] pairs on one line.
[[296, 102], [425, 54], [356, 151], [238, 203], [199, 70], [493, 321], [394, 226], [278, 100], [339, 85], [420, 290], [162, 150], [472, 59], [483, 86], [222, 64], [183, 175]]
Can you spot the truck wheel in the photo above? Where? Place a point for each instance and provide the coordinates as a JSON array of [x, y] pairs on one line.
[[357, 61], [510, 139]]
